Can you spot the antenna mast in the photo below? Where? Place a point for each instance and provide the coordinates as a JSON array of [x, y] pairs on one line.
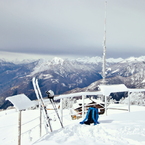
[[104, 49]]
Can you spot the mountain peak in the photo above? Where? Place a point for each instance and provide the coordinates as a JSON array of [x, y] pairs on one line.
[[57, 60], [134, 59]]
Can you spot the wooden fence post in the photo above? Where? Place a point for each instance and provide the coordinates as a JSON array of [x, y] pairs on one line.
[[19, 127], [61, 109]]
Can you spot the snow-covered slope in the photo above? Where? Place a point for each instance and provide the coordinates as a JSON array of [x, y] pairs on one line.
[[119, 127], [122, 128]]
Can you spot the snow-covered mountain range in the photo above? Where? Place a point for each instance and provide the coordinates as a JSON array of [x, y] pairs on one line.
[[62, 75]]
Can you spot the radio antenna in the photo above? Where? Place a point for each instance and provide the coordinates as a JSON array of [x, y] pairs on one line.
[[104, 49]]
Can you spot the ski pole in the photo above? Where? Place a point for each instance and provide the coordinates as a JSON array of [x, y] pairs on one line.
[[50, 94]]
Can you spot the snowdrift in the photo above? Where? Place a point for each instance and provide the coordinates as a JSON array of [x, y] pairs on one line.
[[119, 127]]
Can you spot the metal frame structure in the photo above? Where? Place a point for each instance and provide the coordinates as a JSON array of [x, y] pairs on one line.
[[105, 90], [21, 102]]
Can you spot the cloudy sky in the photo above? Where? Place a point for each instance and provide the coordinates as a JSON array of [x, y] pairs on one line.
[[72, 28]]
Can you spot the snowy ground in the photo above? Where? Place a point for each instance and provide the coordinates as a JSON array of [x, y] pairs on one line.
[[117, 128]]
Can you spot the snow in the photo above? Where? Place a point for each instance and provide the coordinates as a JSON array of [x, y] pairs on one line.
[[57, 60], [118, 127], [107, 89], [113, 60], [143, 81], [121, 128], [134, 59], [44, 64], [21, 101], [86, 59], [115, 71], [78, 94], [98, 59], [19, 60]]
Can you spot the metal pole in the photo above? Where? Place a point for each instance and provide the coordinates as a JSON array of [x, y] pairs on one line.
[[61, 109], [83, 108], [40, 121], [106, 105], [104, 49], [128, 101], [19, 128], [56, 111]]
